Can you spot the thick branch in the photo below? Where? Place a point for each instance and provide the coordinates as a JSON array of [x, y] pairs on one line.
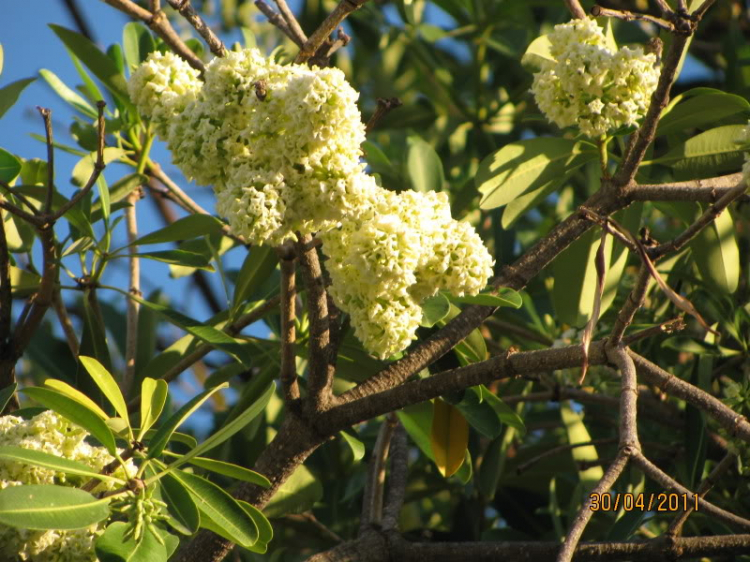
[[706, 190], [575, 8], [394, 499], [320, 377], [288, 373], [134, 270], [372, 496]]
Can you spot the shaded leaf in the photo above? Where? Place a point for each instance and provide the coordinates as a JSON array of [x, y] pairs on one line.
[[9, 94], [257, 267], [449, 437], [178, 257], [112, 545], [434, 309], [299, 493], [424, 166], [185, 228], [10, 166]]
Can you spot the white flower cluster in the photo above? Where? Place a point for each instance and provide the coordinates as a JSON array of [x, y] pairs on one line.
[[50, 433], [591, 86], [403, 249], [280, 144]]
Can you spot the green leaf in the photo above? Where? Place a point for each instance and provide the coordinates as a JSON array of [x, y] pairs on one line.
[[417, 421], [9, 94], [701, 110], [23, 283], [298, 494], [577, 433], [107, 384], [157, 443], [112, 545], [575, 279], [10, 166], [221, 508], [523, 166], [178, 257], [43, 507], [477, 412], [119, 191], [355, 445], [424, 166], [11, 453], [530, 200], [75, 394], [434, 309], [99, 63], [709, 153], [505, 413], [473, 348], [265, 531], [538, 53], [153, 397], [258, 265], [6, 394], [717, 256], [504, 297], [69, 96], [230, 470], [84, 169], [230, 428], [138, 43], [185, 228], [180, 505], [76, 413], [208, 334], [449, 437]]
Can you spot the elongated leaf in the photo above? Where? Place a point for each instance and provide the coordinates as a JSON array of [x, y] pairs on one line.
[[265, 531], [84, 169], [230, 470], [299, 493], [538, 51], [185, 228], [10, 166], [9, 94], [505, 413], [522, 166], [113, 546], [220, 507], [107, 384], [119, 191], [256, 268], [577, 433], [153, 397], [473, 348], [69, 96], [208, 334], [434, 309], [707, 154], [180, 505], [231, 428], [449, 437], [515, 209], [178, 257], [100, 64], [6, 394], [12, 453], [717, 256], [701, 110], [64, 388], [45, 507], [23, 283], [76, 413], [157, 443], [504, 297], [424, 166], [478, 412]]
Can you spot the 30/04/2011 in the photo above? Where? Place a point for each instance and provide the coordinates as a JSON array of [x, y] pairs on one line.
[[644, 502]]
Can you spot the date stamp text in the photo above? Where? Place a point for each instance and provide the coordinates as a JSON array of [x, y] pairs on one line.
[[644, 502]]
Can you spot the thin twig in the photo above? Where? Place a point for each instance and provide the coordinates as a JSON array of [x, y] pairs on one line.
[[131, 330], [575, 8], [159, 24], [47, 116], [288, 373], [309, 517], [669, 483], [275, 19], [292, 22], [187, 11], [334, 19], [668, 327], [6, 290], [675, 527], [372, 501], [99, 166], [521, 468], [618, 355], [18, 195], [385, 105], [634, 302], [625, 15], [65, 323]]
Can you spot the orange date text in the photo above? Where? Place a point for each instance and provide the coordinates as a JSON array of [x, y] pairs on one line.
[[643, 502]]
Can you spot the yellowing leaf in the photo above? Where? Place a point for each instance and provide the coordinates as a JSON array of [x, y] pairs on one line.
[[449, 437]]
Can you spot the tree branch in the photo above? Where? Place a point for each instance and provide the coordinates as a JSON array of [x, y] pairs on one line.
[[186, 11], [599, 11], [131, 321], [706, 190], [372, 496], [288, 373], [334, 19], [394, 499], [575, 8], [320, 372], [635, 301], [276, 20], [292, 23]]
